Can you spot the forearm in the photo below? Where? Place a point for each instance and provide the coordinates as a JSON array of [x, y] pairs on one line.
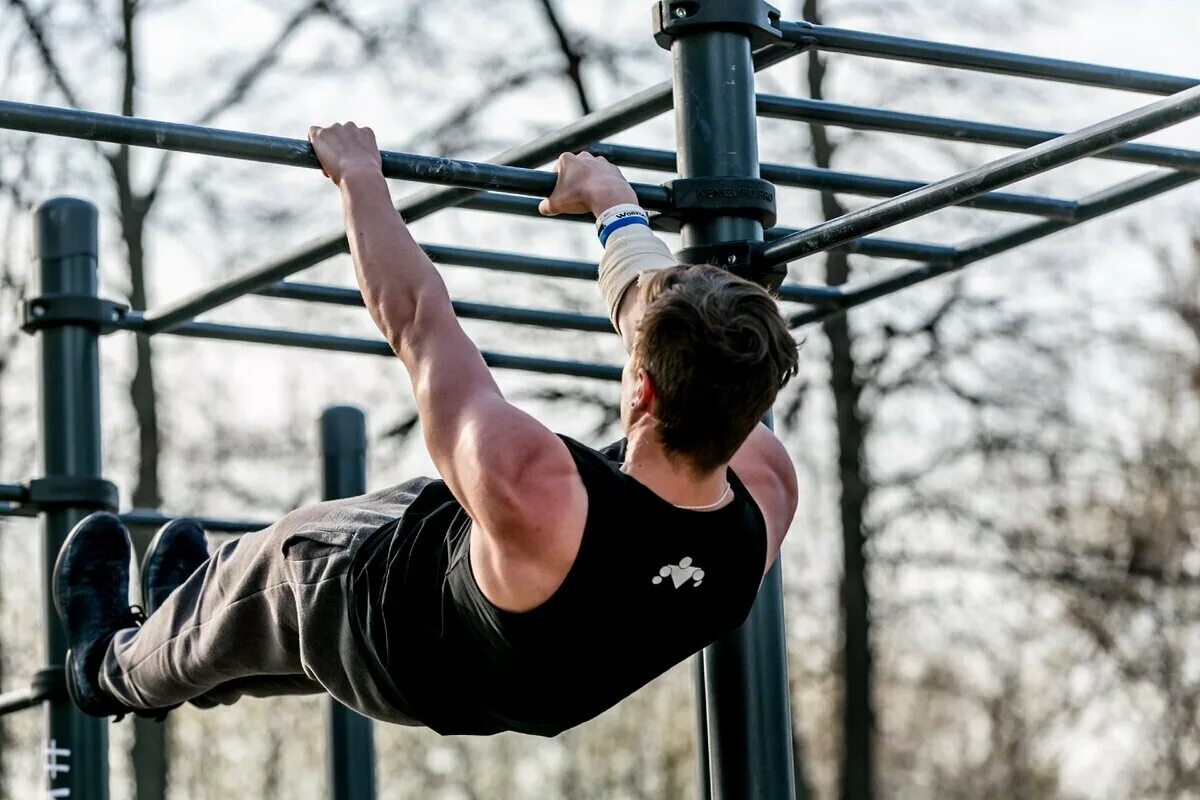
[[395, 276], [629, 253]]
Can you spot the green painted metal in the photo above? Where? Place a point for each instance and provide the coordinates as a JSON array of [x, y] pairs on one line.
[[65, 236], [351, 759], [748, 730]]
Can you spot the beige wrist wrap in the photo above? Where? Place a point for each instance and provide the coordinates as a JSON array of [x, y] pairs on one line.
[[629, 253]]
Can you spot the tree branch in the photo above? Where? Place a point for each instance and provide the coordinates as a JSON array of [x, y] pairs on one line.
[[37, 32], [571, 53]]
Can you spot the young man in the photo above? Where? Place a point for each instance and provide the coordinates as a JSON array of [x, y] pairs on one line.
[[534, 586]]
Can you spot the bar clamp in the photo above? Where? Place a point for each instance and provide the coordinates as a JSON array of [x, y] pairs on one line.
[[72, 491], [57, 310], [756, 19], [729, 196]]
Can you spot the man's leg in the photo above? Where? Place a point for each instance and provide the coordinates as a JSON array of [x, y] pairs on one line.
[[266, 615], [234, 618]]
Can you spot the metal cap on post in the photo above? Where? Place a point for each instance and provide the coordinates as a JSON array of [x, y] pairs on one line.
[[344, 474], [66, 250], [746, 699], [720, 199]]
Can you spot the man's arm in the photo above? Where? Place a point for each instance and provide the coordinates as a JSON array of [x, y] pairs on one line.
[[762, 463], [493, 456]]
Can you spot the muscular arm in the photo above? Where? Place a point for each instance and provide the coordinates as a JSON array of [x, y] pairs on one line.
[[493, 456]]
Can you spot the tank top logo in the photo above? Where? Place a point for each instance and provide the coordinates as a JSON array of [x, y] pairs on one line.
[[680, 574]]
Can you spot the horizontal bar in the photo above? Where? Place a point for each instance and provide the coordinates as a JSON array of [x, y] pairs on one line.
[[845, 182], [877, 119], [1035, 160], [13, 493], [347, 344], [154, 519], [21, 699], [578, 270], [876, 247], [897, 48], [573, 136], [337, 295], [160, 135], [511, 262], [1096, 205]]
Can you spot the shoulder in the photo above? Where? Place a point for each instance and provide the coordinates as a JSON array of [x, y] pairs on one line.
[[533, 494], [530, 524], [765, 468]]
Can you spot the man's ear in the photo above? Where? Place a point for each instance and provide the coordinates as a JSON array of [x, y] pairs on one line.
[[645, 392]]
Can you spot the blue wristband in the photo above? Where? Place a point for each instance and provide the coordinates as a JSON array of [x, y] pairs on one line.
[[617, 224]]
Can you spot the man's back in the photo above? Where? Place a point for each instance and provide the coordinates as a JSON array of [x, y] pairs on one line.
[[651, 583]]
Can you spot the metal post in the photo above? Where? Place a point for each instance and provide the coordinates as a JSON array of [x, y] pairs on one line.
[[749, 733], [65, 237], [344, 474]]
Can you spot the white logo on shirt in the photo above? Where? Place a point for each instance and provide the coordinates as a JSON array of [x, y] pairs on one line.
[[680, 573]]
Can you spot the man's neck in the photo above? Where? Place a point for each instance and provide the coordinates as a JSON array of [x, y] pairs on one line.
[[673, 481]]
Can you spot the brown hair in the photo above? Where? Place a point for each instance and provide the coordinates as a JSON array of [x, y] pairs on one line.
[[718, 351]]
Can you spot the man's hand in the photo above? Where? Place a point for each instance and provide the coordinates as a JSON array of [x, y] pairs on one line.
[[586, 183], [346, 150]]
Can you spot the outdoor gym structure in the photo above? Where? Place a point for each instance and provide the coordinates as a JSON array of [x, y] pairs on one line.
[[723, 204]]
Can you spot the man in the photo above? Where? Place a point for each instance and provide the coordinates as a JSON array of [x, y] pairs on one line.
[[534, 586]]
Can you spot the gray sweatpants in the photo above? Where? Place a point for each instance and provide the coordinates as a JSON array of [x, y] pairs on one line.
[[266, 615]]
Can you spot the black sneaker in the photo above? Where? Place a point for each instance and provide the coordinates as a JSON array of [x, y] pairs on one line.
[[91, 593], [175, 552]]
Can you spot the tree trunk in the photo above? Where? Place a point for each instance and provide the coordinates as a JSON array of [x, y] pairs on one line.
[[857, 771], [150, 737]]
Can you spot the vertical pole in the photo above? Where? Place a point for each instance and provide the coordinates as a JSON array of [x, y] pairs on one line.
[[746, 703], [344, 474], [66, 242]]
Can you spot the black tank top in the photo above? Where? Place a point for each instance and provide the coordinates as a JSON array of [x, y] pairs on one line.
[[651, 585]]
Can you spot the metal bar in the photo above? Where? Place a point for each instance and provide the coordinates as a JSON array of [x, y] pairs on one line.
[[586, 270], [877, 119], [375, 347], [574, 136], [154, 519], [879, 247], [577, 135], [511, 262], [746, 700], [21, 699], [876, 247], [8, 509], [164, 319], [66, 241], [351, 760], [844, 182], [897, 48], [337, 295], [160, 135], [13, 493], [1035, 160], [1091, 207]]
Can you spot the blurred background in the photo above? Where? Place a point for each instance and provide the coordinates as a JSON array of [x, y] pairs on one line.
[[997, 555]]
